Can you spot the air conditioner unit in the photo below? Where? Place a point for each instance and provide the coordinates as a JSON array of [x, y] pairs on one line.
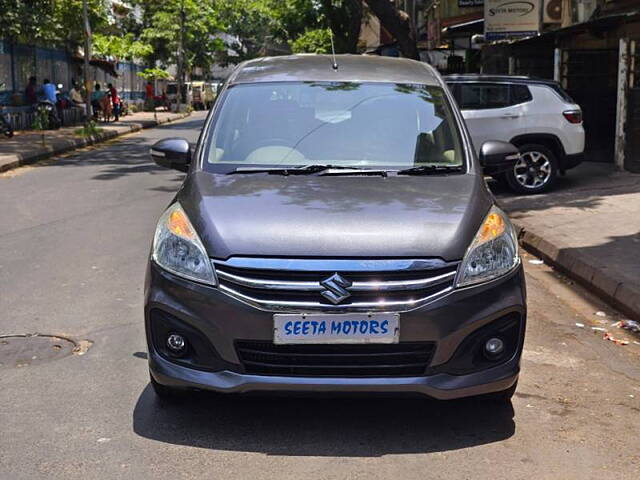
[[552, 11]]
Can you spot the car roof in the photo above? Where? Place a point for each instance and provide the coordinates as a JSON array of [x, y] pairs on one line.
[[523, 80], [319, 68]]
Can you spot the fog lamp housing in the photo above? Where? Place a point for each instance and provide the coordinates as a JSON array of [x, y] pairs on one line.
[[176, 343], [494, 347]]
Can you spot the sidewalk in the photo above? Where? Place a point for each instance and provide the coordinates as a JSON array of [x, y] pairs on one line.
[[589, 228], [26, 147]]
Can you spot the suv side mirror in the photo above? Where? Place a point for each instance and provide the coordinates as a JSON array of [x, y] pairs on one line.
[[172, 153], [497, 157]]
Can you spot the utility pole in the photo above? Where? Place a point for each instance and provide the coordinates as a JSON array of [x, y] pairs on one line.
[[181, 96], [87, 56]]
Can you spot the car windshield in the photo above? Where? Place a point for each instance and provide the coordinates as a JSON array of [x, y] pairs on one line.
[[343, 124]]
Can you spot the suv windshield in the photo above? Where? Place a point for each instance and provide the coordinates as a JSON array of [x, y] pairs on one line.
[[342, 124]]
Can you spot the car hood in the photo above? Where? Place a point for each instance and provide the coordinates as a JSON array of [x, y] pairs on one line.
[[264, 215]]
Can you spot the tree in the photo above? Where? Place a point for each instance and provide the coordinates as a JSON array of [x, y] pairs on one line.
[[153, 74], [121, 47], [398, 24], [313, 41], [344, 17], [183, 31]]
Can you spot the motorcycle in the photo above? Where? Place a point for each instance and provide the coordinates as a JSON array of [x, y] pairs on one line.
[[5, 125], [47, 110], [5, 122]]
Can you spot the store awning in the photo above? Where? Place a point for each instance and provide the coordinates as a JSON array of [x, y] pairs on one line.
[[467, 28]]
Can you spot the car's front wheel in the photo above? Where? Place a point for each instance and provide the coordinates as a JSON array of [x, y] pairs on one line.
[[535, 172]]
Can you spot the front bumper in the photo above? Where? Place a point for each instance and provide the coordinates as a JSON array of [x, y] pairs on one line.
[[441, 386], [446, 322]]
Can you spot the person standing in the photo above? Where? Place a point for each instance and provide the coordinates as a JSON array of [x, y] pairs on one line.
[[115, 101], [31, 93], [149, 94], [96, 99]]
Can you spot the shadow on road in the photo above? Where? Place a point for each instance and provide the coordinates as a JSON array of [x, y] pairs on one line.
[[363, 426]]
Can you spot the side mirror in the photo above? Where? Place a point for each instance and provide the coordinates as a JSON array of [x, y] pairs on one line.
[[497, 157], [172, 153]]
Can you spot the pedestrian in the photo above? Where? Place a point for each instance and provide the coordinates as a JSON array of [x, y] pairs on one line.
[[115, 101], [31, 93], [96, 99], [49, 91], [149, 102], [75, 95]]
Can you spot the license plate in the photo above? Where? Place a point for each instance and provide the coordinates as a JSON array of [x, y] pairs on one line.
[[336, 328]]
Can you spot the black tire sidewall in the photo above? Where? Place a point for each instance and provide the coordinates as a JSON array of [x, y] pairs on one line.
[[515, 185]]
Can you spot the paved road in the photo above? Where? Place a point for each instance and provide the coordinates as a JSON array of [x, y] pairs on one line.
[[74, 236]]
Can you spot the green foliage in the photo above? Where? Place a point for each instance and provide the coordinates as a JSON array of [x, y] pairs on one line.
[[344, 17], [313, 41], [200, 25], [121, 47], [51, 22], [154, 73], [264, 27], [90, 129], [225, 31]]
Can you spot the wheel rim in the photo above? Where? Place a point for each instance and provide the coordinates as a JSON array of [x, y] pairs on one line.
[[533, 170]]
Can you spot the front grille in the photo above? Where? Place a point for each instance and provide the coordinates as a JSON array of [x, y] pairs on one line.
[[371, 285], [366, 360]]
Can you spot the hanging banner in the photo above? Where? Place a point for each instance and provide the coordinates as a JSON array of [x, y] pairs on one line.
[[511, 19]]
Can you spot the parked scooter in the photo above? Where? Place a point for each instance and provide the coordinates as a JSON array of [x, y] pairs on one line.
[[48, 110], [5, 122], [5, 125]]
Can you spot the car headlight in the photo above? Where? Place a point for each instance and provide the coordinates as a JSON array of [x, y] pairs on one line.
[[493, 252], [177, 247]]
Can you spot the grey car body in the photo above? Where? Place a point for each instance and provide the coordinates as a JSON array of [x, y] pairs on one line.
[[275, 240]]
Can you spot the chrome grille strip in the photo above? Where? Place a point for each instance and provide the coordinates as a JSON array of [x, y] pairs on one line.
[[309, 286], [294, 306]]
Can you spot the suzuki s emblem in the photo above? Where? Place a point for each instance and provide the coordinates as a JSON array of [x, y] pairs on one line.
[[336, 288]]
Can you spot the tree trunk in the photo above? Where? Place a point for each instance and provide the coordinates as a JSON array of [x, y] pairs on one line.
[[87, 58], [398, 24]]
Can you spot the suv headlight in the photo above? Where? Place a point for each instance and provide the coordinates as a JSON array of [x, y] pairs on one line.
[[177, 247], [493, 252]]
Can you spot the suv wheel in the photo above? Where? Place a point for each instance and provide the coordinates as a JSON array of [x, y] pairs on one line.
[[535, 172]]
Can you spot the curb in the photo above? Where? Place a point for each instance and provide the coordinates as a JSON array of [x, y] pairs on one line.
[[67, 145], [620, 292]]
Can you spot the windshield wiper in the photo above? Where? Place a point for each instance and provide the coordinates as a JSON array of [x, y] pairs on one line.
[[308, 169], [430, 170]]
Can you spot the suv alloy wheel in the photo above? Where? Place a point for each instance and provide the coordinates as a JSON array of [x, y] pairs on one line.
[[535, 172]]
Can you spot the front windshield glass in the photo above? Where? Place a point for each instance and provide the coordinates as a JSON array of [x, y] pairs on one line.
[[344, 124]]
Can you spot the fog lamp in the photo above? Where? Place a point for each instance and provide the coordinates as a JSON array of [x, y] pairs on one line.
[[494, 347], [176, 343]]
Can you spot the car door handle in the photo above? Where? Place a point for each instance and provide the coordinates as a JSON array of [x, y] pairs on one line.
[[511, 115]]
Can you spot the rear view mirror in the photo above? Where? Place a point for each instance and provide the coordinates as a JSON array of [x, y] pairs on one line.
[[497, 157], [172, 153]]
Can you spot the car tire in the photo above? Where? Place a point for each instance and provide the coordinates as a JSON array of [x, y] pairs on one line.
[[167, 394], [536, 172]]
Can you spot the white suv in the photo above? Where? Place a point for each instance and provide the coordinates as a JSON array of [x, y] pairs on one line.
[[535, 115]]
